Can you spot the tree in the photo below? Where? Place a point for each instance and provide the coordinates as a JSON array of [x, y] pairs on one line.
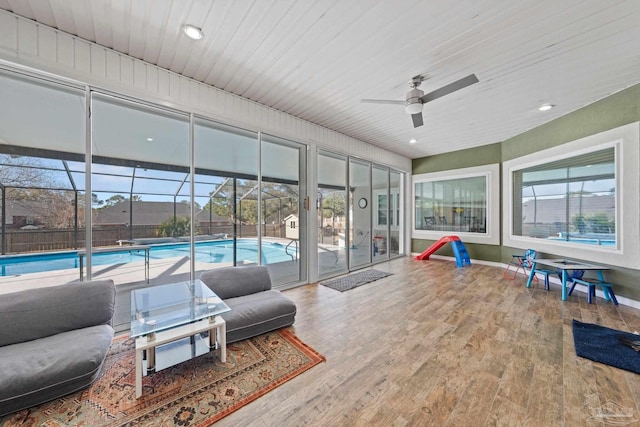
[[26, 172], [334, 205], [95, 201], [593, 223], [175, 227], [279, 200], [221, 206], [114, 200], [599, 223], [579, 223], [119, 198], [60, 213]]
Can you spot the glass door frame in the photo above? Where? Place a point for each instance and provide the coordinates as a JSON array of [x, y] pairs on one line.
[[356, 203], [340, 251]]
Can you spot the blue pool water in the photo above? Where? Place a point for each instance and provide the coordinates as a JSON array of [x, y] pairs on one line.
[[600, 242], [211, 252]]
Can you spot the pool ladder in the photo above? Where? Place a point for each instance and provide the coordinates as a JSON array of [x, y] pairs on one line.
[[294, 257]]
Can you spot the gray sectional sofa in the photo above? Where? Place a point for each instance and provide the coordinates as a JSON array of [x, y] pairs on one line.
[[53, 341], [255, 307]]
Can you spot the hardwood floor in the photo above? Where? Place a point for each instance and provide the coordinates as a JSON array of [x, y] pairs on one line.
[[436, 345]]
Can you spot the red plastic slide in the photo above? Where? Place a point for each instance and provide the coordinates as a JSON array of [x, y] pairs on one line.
[[437, 245]]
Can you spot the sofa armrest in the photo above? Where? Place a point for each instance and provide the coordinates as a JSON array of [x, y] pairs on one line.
[[230, 282], [50, 310]]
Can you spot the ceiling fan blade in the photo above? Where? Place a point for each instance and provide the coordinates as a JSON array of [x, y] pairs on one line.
[[417, 120], [450, 88], [382, 101]]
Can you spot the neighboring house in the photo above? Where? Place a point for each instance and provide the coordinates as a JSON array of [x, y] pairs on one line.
[[150, 213], [551, 211], [546, 217], [22, 213]]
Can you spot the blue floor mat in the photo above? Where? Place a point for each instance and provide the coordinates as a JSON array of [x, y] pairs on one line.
[[603, 345]]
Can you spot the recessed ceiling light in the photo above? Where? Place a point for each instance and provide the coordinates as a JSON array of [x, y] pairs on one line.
[[192, 32], [546, 107], [150, 139], [412, 141]]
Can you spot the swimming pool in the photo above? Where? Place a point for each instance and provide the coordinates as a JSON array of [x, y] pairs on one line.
[[212, 252], [599, 242]]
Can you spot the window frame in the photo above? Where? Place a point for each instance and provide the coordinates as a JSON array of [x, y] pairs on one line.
[[491, 174], [626, 252], [392, 209]]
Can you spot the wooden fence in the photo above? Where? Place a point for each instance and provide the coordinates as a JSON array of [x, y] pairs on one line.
[[22, 241]]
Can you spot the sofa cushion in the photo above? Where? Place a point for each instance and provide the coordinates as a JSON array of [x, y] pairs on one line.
[[36, 313], [257, 313], [36, 371], [230, 282]]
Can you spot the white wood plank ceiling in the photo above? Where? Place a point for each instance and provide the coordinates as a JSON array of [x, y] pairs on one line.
[[317, 59]]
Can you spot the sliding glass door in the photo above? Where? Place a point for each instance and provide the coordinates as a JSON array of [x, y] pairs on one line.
[[226, 162], [42, 133], [332, 214], [359, 213], [380, 241], [396, 211], [360, 237], [283, 218]]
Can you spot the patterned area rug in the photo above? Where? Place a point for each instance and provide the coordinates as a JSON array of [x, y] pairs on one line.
[[354, 280], [194, 393]]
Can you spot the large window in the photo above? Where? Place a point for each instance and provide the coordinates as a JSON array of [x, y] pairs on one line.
[[460, 202], [579, 199], [571, 200], [452, 205]]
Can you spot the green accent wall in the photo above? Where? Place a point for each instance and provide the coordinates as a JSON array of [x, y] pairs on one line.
[[616, 110], [485, 155]]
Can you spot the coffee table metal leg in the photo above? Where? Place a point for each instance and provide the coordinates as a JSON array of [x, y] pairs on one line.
[[212, 339], [151, 354], [151, 360]]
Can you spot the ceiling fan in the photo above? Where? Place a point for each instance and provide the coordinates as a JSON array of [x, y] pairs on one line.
[[417, 97]]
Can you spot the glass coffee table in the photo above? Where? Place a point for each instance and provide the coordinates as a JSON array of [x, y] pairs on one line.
[[168, 322]]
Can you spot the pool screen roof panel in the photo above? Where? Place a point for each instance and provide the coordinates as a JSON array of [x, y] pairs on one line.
[[30, 171]]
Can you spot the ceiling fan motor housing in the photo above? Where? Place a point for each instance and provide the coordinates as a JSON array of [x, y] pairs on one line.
[[413, 105]]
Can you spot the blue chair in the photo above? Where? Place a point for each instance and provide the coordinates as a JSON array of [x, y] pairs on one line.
[[546, 274], [607, 288], [575, 274], [522, 262]]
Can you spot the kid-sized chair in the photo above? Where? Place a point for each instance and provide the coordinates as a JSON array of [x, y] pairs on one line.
[[522, 262]]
